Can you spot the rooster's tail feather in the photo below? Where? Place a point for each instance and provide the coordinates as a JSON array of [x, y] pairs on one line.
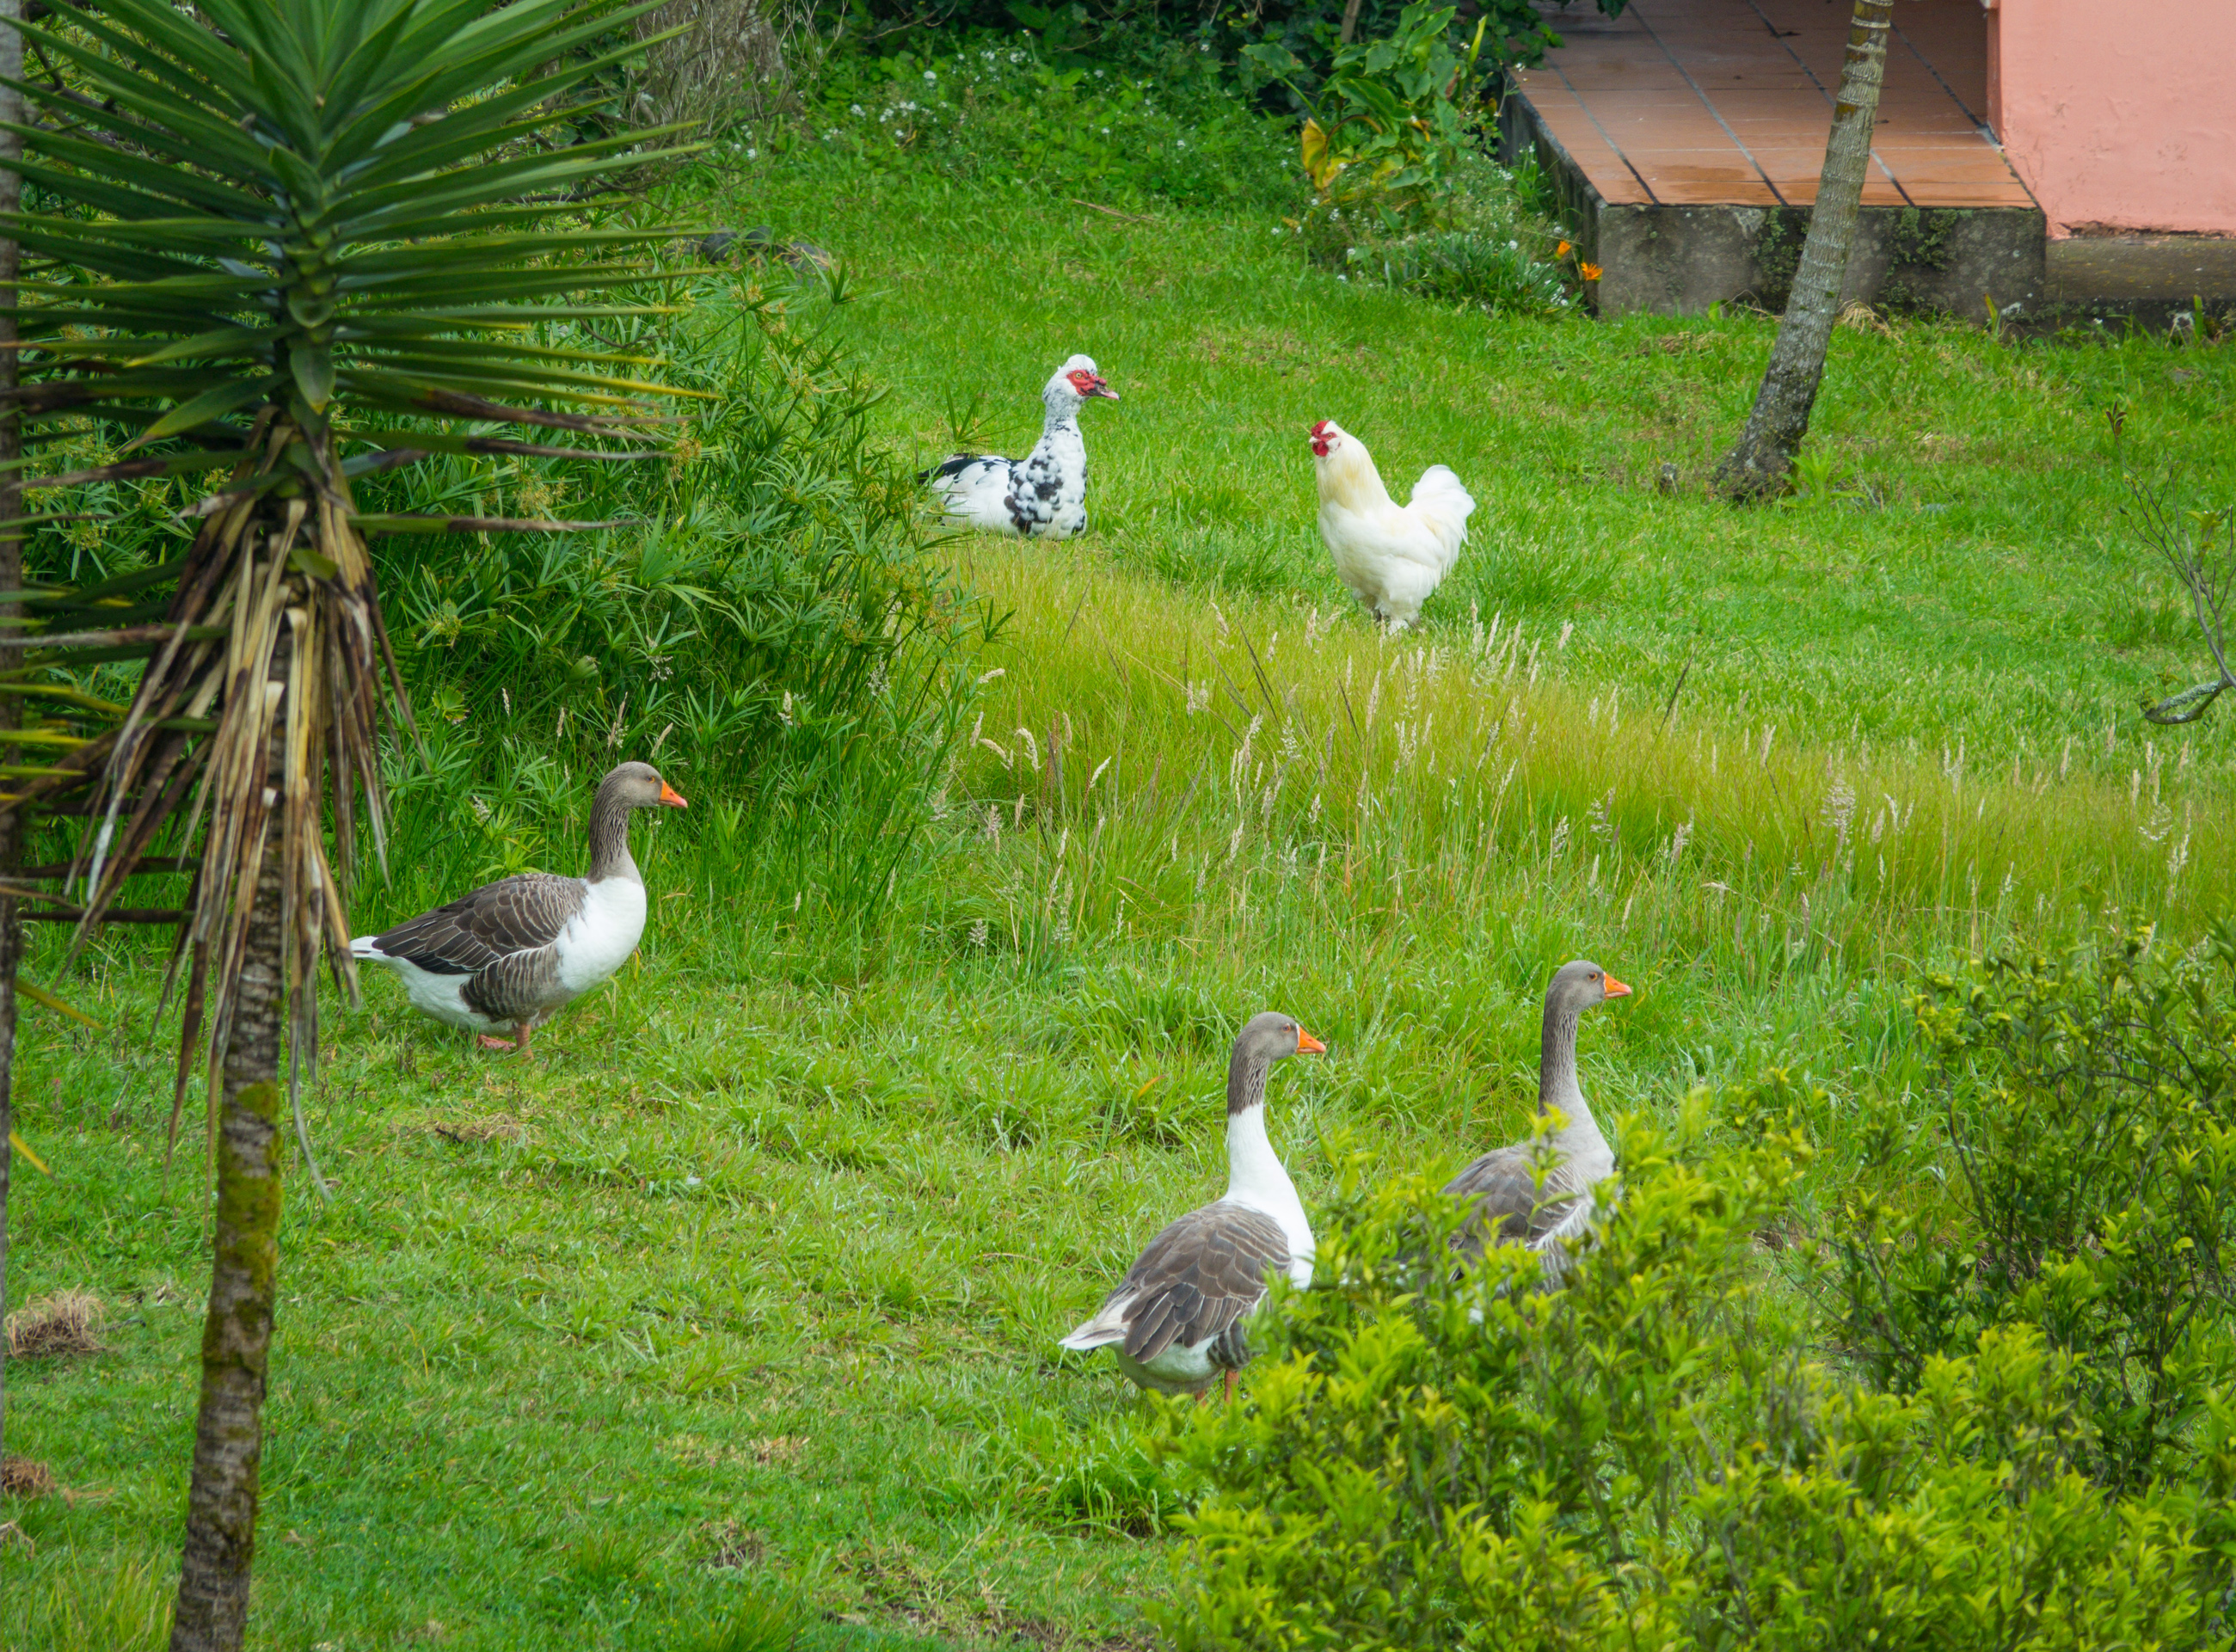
[[1442, 501]]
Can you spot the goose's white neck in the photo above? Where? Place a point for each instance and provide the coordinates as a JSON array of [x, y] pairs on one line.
[[1256, 1179], [1578, 1140]]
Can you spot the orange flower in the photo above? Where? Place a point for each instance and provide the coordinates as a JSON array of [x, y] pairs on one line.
[[1589, 272], [1562, 250]]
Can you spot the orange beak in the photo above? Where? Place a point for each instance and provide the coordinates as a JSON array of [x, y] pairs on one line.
[[673, 799], [1616, 989], [1308, 1045]]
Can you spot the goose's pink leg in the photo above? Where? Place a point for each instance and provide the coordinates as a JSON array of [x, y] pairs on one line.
[[517, 1043]]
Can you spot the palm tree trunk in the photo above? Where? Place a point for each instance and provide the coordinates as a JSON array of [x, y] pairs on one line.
[[11, 944], [1757, 466], [11, 579], [221, 1540]]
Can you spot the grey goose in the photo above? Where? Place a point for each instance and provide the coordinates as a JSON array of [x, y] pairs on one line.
[[509, 955], [1503, 1187], [1176, 1320]]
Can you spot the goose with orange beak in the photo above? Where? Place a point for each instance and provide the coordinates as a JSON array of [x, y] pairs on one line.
[[1506, 1200], [507, 956], [1177, 1320]]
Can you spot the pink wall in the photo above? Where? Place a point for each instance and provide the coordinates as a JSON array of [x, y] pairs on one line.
[[2119, 117]]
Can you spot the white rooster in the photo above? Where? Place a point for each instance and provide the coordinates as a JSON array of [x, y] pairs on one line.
[[1043, 496], [1392, 556]]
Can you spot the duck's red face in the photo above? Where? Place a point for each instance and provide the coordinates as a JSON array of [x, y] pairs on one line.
[[1323, 435], [1088, 383]]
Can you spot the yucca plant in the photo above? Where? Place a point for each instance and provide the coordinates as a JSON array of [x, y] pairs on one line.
[[290, 241]]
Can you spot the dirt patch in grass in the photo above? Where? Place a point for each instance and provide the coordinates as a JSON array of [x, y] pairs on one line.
[[473, 1132], [899, 1591], [20, 1478], [734, 1546], [773, 1450], [48, 1327], [1273, 348]]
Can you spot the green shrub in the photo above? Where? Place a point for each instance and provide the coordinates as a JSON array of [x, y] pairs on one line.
[[764, 620], [1487, 245], [1391, 118], [1156, 123], [1650, 1457], [2090, 1119]]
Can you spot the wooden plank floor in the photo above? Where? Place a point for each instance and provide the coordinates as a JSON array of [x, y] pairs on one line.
[[1698, 102]]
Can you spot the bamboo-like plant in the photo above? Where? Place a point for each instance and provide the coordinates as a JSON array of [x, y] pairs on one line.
[[293, 243]]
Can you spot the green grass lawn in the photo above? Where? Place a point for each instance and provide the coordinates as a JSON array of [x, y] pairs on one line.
[[729, 1322], [1977, 584]]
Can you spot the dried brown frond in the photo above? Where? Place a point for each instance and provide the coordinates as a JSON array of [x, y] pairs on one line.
[[1861, 317], [729, 62], [67, 1322], [20, 1478]]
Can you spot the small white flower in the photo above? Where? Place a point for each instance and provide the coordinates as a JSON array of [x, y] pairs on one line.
[[854, 109], [930, 78]]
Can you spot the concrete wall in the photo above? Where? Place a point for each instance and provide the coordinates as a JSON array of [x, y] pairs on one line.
[[2121, 117]]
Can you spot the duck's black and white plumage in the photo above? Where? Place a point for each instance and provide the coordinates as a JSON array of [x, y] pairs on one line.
[[506, 957], [1043, 496], [1177, 1319], [1506, 1202]]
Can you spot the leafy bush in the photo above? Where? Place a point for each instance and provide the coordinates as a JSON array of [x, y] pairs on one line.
[[1490, 246], [1650, 1457], [1081, 31], [1392, 118], [1157, 124], [763, 619], [2090, 1114]]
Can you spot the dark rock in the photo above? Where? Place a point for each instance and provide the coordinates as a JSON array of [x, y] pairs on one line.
[[804, 256]]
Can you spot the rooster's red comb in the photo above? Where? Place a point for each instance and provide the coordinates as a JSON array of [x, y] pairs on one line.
[[1321, 429]]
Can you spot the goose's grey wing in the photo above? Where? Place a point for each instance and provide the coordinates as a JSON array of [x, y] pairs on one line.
[[504, 935], [1506, 1202], [1198, 1277]]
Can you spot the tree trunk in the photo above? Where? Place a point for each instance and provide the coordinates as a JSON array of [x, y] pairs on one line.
[[11, 579], [221, 1540], [1758, 465], [11, 945]]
